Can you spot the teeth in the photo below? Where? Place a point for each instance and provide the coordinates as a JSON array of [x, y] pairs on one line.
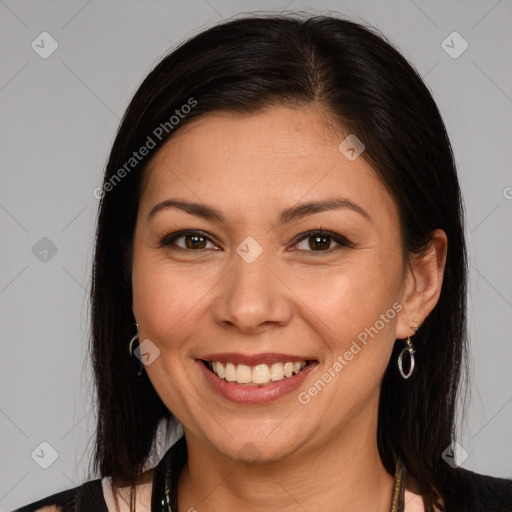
[[276, 371], [230, 372], [259, 374], [219, 369], [243, 374]]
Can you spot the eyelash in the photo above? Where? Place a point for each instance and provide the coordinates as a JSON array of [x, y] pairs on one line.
[[169, 239]]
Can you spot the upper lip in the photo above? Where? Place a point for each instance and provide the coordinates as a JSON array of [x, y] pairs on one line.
[[255, 359]]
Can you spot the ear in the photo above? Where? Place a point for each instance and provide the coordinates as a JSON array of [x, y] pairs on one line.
[[422, 285]]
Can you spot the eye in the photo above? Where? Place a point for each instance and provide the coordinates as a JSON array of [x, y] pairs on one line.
[[320, 241], [193, 240]]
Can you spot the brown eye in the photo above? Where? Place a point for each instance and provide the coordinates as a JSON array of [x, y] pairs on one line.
[[192, 240], [322, 241], [319, 242]]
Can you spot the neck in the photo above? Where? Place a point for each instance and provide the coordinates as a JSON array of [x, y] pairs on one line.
[[343, 472]]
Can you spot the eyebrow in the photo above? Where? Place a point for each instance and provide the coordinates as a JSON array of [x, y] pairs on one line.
[[295, 212]]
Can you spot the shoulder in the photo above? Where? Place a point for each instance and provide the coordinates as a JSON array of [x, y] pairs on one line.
[[474, 491], [86, 497], [119, 498], [464, 491]]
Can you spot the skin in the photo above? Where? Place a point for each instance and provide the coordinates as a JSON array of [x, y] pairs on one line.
[[321, 456]]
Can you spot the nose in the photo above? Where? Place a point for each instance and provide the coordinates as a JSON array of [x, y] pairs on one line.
[[253, 297]]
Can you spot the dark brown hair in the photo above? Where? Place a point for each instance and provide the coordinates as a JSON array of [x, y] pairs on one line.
[[367, 86]]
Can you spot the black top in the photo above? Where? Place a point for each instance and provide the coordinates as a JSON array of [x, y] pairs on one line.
[[473, 492]]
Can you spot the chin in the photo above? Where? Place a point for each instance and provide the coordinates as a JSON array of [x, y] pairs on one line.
[[255, 447]]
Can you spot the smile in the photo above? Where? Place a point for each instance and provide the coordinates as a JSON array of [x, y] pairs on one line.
[[257, 383], [258, 375]]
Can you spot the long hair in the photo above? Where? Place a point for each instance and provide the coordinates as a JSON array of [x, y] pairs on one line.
[[369, 88]]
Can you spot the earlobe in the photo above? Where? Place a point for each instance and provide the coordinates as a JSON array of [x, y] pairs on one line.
[[422, 284]]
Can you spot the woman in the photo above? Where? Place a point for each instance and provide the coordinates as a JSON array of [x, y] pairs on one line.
[[280, 267]]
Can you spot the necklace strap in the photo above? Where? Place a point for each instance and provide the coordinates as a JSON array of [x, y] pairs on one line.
[[165, 478], [397, 504]]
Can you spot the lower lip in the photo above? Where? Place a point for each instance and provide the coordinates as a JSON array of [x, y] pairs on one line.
[[255, 394]]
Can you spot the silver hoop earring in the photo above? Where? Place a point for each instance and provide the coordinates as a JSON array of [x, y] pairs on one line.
[[137, 363], [410, 349]]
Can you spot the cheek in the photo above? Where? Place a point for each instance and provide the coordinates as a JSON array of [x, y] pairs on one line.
[[351, 297], [167, 297], [357, 305]]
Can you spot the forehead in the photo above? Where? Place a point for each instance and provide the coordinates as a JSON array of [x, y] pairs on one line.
[[280, 154]]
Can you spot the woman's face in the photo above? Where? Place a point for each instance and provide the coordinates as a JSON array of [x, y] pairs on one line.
[[256, 284]]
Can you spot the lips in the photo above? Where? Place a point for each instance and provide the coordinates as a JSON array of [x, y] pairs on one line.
[[255, 388]]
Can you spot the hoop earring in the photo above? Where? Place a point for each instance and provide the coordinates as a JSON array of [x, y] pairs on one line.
[[410, 349], [137, 363]]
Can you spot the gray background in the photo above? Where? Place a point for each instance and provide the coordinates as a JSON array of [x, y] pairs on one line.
[[59, 117]]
